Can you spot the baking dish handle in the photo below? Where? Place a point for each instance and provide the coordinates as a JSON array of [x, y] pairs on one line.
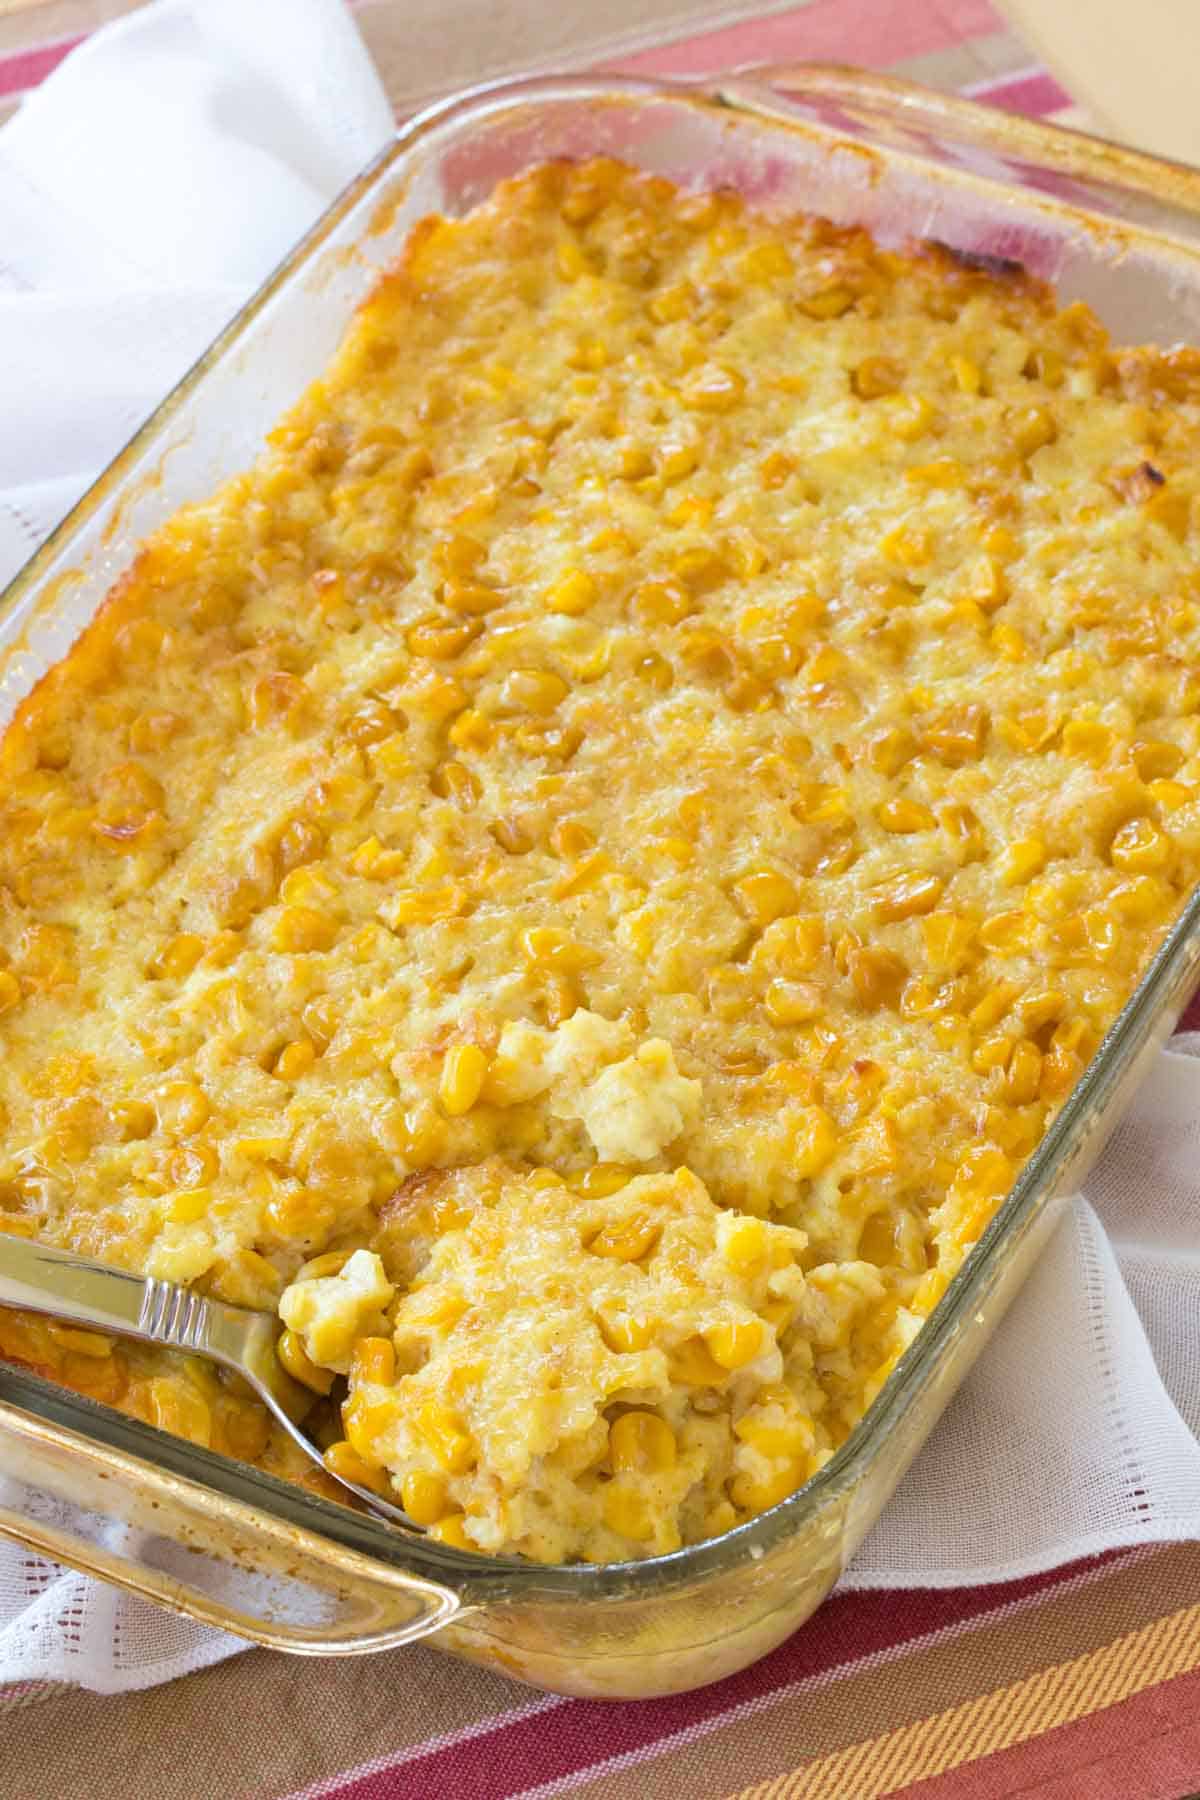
[[216, 1558]]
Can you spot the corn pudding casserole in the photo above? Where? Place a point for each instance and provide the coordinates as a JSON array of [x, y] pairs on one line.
[[582, 876]]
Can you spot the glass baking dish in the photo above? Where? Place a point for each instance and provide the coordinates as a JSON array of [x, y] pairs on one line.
[[236, 1548]]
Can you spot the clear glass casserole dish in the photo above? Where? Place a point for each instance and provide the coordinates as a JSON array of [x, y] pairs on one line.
[[231, 1545]]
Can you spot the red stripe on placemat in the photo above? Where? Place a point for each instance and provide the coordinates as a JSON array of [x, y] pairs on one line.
[[875, 33], [1034, 92], [1143, 1748], [528, 1753], [26, 68]]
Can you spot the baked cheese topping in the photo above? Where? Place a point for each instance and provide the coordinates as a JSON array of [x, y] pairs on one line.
[[582, 876]]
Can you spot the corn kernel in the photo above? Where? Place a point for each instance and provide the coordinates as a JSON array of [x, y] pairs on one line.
[[765, 896], [736, 1344], [627, 1512], [346, 1464], [714, 389], [641, 1443], [625, 1333], [303, 928], [908, 897], [875, 377], [464, 1070], [992, 1007], [424, 1498], [295, 1059], [182, 1107], [744, 1243], [626, 1240], [299, 1365], [443, 1431], [572, 593], [178, 956], [901, 815], [693, 1364], [10, 990], [948, 938], [427, 906], [536, 691], [1022, 860], [813, 1142], [1140, 846], [792, 1002], [1024, 1076], [374, 1359], [452, 1531], [754, 1494], [876, 975], [555, 949]]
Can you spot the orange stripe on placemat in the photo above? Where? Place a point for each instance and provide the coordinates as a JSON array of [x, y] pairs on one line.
[[996, 1721]]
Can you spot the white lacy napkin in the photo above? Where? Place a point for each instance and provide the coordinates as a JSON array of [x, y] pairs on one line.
[[143, 192]]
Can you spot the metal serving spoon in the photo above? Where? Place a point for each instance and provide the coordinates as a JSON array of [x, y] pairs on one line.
[[44, 1280]]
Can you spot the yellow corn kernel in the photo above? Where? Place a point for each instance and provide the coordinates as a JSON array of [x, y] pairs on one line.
[[470, 599], [786, 1437], [365, 1422], [641, 1443], [294, 1059], [957, 735], [992, 1052], [929, 1291], [911, 549], [178, 956], [427, 906], [330, 1262], [423, 1496], [1023, 859], [902, 815], [754, 1493], [744, 1243], [1169, 794], [1140, 898], [828, 302], [876, 975], [572, 593], [1024, 1077], [1031, 428], [1155, 760], [464, 1070], [888, 751], [10, 990], [992, 1007], [942, 472], [968, 376], [813, 1142], [1006, 932], [536, 691], [693, 1364], [674, 303], [1140, 846], [962, 827], [627, 1512], [440, 641], [792, 1002], [182, 1107], [625, 1333], [1085, 738], [178, 1407], [736, 1344], [714, 389], [1009, 643], [908, 897], [302, 928], [299, 1365], [443, 1431], [452, 1531], [374, 1359], [555, 949], [875, 377], [948, 938], [626, 1240], [472, 730], [765, 896], [661, 602], [343, 1461], [601, 1180], [189, 1205]]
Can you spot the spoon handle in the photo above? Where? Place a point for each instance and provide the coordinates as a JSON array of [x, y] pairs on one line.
[[42, 1279]]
